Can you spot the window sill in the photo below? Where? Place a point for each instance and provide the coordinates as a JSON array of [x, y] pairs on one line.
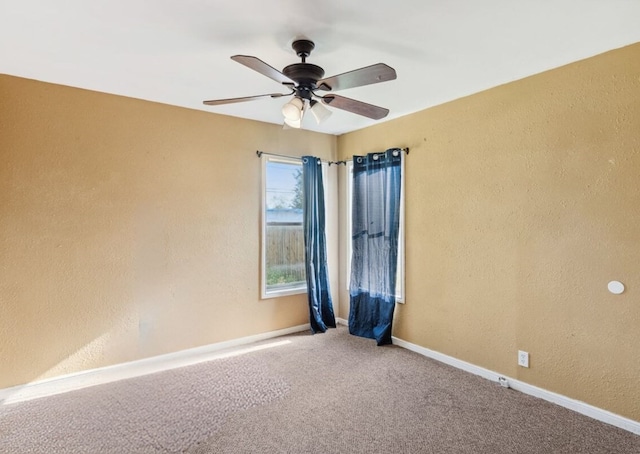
[[276, 293]]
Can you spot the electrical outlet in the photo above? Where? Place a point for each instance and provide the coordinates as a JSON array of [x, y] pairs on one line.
[[523, 358]]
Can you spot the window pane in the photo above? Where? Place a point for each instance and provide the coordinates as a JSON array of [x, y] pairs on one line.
[[284, 241]]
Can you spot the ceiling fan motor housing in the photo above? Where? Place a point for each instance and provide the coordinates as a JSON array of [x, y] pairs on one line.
[[304, 74]]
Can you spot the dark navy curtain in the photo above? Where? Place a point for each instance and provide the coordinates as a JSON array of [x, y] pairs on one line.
[[375, 227], [320, 305]]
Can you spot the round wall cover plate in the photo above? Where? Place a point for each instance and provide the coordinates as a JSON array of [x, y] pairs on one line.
[[615, 287]]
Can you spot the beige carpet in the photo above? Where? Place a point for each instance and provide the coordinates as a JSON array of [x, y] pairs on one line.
[[328, 393]]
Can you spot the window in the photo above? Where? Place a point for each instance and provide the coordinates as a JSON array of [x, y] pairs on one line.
[[400, 297], [283, 268]]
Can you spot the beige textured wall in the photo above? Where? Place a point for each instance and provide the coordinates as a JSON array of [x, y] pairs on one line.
[[523, 202], [129, 229]]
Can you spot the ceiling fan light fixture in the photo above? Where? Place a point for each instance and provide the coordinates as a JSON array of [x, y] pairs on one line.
[[295, 124], [320, 112], [292, 110]]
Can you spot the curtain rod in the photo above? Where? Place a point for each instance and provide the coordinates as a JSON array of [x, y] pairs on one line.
[[260, 153]]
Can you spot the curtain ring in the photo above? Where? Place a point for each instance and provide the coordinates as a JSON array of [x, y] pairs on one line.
[[305, 160], [359, 160], [375, 157], [319, 161], [395, 152]]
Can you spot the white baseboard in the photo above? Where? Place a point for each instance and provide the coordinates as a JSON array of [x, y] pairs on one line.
[[342, 321], [564, 401], [102, 375]]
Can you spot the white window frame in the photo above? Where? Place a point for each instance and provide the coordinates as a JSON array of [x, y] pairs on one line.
[[264, 293], [400, 281]]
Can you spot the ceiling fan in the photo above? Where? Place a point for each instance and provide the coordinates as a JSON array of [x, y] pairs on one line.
[[305, 80]]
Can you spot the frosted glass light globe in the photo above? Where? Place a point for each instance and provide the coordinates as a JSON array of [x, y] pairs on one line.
[[293, 109]]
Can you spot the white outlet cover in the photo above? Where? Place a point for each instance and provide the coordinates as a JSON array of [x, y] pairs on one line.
[[523, 358], [615, 287]]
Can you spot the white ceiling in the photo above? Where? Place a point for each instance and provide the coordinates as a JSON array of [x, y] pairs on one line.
[[177, 51]]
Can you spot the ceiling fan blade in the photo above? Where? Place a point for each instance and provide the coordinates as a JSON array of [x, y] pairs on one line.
[[356, 107], [263, 68], [217, 102], [358, 77]]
